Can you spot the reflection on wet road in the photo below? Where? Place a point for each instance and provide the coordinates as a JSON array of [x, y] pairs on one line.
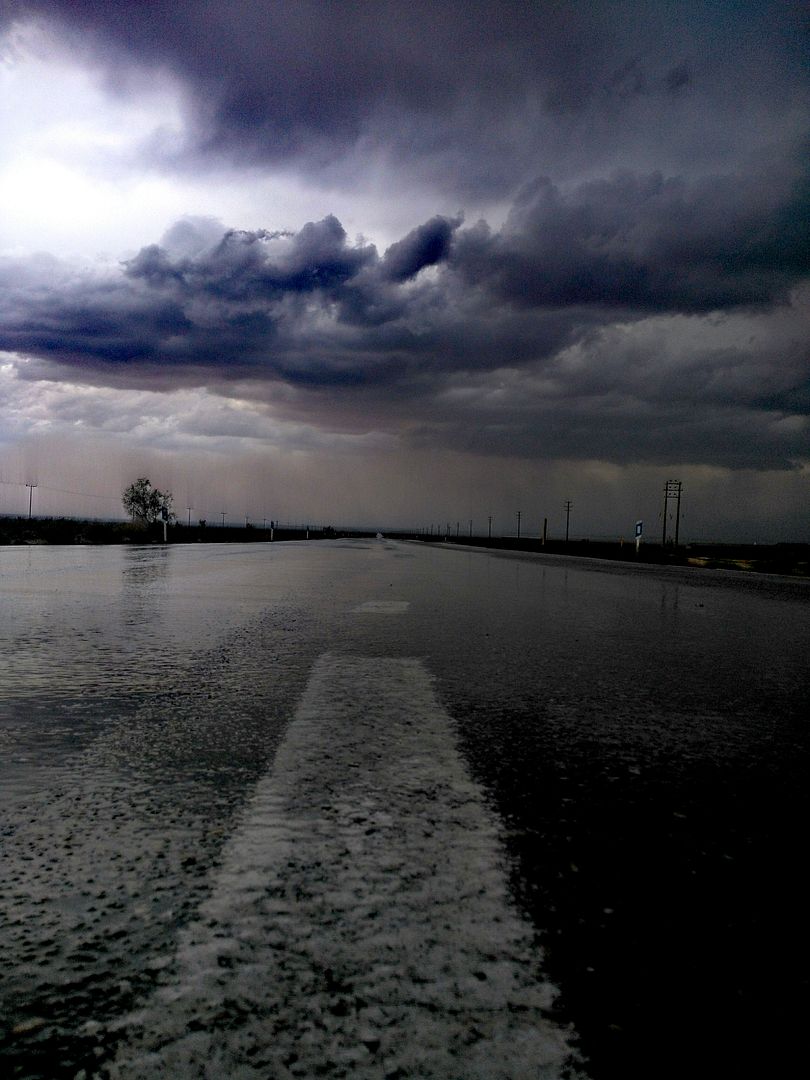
[[639, 736]]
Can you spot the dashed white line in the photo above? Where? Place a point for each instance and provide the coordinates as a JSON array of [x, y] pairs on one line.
[[360, 924], [382, 607]]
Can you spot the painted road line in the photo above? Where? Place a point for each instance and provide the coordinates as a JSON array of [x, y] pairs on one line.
[[382, 607], [360, 923]]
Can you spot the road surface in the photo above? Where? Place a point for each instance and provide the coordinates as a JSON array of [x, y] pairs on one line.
[[396, 810]]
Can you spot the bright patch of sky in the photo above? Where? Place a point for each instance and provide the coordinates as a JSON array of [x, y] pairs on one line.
[[77, 182]]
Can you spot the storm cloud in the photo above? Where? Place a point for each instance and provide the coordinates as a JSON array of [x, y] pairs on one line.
[[588, 234], [470, 95], [360, 337], [648, 243]]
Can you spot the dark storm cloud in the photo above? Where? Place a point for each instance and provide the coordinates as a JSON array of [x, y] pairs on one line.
[[243, 267], [511, 344], [249, 300], [47, 312], [622, 433], [473, 95], [425, 246], [268, 81], [308, 306], [670, 146], [646, 243]]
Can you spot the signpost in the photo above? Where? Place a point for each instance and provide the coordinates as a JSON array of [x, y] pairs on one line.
[[164, 513], [639, 530]]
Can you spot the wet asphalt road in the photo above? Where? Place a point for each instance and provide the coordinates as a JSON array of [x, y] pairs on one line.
[[639, 733]]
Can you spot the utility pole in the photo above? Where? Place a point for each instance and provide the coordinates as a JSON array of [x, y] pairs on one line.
[[678, 513], [672, 490], [489, 527], [222, 514], [189, 515], [30, 498], [567, 517], [545, 530], [664, 517], [518, 519]]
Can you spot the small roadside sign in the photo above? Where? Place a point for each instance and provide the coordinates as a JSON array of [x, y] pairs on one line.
[[639, 528]]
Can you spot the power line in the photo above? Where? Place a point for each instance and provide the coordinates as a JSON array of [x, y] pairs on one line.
[[61, 491]]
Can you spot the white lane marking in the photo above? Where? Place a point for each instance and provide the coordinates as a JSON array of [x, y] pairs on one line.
[[360, 923], [382, 607]]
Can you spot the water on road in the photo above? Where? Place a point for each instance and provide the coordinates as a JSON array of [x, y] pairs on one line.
[[387, 809]]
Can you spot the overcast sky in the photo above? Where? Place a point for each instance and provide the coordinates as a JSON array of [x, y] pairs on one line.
[[403, 263]]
